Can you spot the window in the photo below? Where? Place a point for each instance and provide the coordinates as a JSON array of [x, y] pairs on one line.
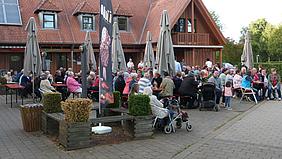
[[49, 21], [123, 23], [189, 26], [87, 22], [180, 25], [10, 12]]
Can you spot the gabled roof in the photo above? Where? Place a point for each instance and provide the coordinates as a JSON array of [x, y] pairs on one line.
[[122, 10], [47, 5], [85, 8], [175, 9]]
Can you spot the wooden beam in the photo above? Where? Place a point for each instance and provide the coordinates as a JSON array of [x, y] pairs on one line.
[[192, 19], [220, 56], [193, 57]]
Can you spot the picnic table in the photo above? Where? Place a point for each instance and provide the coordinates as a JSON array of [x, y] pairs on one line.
[[16, 87]]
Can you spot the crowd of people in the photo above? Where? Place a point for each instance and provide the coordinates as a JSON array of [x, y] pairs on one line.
[[188, 80]]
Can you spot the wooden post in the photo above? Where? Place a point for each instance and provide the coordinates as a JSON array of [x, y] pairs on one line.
[[192, 22], [220, 56], [193, 57]]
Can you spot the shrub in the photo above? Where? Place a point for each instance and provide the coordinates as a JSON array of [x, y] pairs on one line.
[[117, 99], [3, 80], [268, 66], [77, 110], [52, 102], [139, 105]]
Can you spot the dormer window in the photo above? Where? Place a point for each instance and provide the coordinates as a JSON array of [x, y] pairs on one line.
[[10, 12], [48, 20], [87, 22], [123, 23]]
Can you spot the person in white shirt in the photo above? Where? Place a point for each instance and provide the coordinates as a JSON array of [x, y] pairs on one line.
[[178, 67], [130, 64], [208, 63], [141, 65]]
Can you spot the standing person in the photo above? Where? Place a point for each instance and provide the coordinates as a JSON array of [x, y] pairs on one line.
[[141, 65], [222, 77], [218, 87], [130, 64], [274, 84], [167, 86], [134, 90], [144, 82], [177, 80], [263, 78], [208, 63], [133, 81], [178, 67], [120, 83], [228, 95], [189, 87]]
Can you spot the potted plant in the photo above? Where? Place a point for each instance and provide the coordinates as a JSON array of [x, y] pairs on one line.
[[3, 81], [75, 129], [139, 106], [51, 104]]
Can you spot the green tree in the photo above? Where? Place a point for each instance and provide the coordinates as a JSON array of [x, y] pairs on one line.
[[232, 52], [274, 42], [216, 19], [259, 43]]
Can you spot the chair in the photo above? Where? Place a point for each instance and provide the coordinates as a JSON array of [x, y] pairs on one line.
[[247, 92]]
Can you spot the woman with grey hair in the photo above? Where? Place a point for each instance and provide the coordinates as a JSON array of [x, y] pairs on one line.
[[45, 85]]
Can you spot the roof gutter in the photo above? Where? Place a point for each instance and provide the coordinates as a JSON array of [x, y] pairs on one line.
[[199, 46]]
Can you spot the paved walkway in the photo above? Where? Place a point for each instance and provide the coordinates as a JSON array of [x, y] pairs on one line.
[[256, 135], [17, 144]]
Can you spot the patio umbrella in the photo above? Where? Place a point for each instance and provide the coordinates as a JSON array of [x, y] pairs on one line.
[[32, 57], [117, 51], [247, 56], [165, 53], [91, 61], [149, 59]]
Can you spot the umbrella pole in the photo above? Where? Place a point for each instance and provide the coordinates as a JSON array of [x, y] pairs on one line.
[[33, 86]]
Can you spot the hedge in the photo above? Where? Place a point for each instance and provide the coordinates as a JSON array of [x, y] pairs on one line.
[[268, 66], [139, 105], [52, 102]]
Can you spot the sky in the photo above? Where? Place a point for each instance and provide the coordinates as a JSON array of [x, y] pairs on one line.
[[235, 14]]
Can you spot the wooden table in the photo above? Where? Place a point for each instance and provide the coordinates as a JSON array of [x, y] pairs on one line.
[[59, 85], [12, 87]]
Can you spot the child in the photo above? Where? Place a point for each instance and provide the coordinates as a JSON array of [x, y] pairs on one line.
[[228, 95]]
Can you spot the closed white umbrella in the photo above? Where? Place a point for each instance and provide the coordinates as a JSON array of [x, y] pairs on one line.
[[91, 61], [165, 52], [32, 57], [247, 58], [149, 60], [117, 51]]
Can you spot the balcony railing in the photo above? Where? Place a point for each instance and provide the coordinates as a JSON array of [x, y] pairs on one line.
[[190, 39]]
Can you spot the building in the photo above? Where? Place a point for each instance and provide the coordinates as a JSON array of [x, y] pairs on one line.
[[62, 25]]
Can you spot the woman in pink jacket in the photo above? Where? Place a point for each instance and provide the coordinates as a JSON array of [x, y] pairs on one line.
[[72, 85]]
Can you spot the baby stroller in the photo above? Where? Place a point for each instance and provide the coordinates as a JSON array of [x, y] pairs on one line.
[[208, 97], [169, 115]]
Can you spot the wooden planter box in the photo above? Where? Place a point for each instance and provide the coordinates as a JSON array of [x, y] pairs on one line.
[[140, 127], [75, 135], [49, 126]]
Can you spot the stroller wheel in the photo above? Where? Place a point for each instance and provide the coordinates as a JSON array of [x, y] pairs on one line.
[[168, 129], [188, 127]]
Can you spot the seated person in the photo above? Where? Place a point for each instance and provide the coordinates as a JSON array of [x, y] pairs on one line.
[[72, 85], [177, 80], [247, 82], [134, 89], [189, 87], [237, 81], [167, 86], [45, 85], [26, 82], [156, 105], [274, 84], [157, 80]]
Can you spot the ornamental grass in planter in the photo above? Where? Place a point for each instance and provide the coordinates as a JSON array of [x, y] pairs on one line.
[[139, 106], [75, 130]]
